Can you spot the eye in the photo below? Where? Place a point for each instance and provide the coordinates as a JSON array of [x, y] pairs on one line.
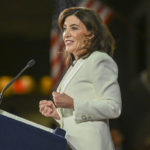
[[64, 29], [74, 28]]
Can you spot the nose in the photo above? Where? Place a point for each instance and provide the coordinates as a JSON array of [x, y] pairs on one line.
[[66, 33]]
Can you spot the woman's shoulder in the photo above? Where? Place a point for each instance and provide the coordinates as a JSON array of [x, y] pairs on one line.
[[100, 56], [97, 61]]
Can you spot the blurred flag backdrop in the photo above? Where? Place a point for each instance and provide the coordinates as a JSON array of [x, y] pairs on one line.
[[57, 63]]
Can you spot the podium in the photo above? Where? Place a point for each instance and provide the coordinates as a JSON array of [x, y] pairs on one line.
[[17, 133]]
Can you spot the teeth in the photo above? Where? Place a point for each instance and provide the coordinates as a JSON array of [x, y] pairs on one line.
[[68, 42]]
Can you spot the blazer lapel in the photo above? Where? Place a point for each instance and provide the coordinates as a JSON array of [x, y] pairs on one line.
[[71, 74]]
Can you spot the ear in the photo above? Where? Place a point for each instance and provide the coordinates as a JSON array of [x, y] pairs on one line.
[[90, 36]]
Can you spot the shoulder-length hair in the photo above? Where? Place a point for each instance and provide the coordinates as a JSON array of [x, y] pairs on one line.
[[102, 41]]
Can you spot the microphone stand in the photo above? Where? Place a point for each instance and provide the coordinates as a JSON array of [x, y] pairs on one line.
[[29, 64]]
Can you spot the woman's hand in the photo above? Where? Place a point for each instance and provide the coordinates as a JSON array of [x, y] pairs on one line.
[[63, 100], [48, 109]]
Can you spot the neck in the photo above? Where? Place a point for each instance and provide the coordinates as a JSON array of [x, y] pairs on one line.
[[80, 53]]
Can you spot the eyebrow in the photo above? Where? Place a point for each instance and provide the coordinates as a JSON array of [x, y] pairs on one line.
[[72, 25]]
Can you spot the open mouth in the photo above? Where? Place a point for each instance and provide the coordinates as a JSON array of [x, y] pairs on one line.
[[68, 42]]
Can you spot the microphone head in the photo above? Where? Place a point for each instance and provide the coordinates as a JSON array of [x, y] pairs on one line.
[[31, 63]]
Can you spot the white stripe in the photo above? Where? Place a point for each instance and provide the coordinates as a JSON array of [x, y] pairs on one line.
[[105, 13], [96, 5], [56, 69], [83, 3], [56, 48]]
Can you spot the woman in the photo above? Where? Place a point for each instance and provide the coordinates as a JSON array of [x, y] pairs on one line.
[[88, 95]]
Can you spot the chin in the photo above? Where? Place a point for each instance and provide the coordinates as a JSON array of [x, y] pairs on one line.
[[69, 50]]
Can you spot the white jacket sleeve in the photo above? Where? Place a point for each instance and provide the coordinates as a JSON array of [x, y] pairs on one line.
[[103, 74]]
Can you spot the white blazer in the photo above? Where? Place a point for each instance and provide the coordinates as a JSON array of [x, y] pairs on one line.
[[92, 83]]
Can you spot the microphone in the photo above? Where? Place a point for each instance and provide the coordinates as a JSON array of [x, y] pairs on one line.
[[28, 65]]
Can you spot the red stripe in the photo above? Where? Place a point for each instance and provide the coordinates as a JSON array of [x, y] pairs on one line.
[[57, 78], [100, 8], [55, 60], [109, 16], [89, 4], [54, 39], [62, 45]]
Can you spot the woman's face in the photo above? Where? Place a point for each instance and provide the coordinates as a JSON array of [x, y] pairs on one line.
[[74, 35]]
